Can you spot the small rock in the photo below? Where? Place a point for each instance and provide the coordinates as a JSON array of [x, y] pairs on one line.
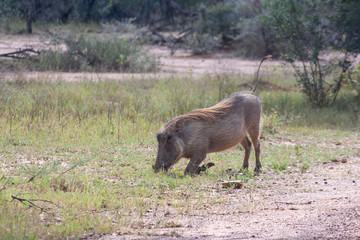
[[316, 182], [325, 182], [344, 160], [354, 181]]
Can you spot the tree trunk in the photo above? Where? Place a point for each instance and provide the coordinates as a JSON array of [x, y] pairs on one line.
[[30, 15], [167, 11], [90, 6], [145, 12], [29, 25]]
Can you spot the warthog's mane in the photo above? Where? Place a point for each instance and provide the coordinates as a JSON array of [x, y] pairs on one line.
[[211, 114]]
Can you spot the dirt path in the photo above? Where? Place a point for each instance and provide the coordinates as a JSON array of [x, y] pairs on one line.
[[317, 207], [321, 204], [181, 64]]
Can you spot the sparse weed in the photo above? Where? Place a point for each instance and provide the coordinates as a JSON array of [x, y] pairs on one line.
[[271, 122], [279, 164], [304, 166], [245, 175]]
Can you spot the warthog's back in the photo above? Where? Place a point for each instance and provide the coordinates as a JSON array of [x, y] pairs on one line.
[[223, 125]]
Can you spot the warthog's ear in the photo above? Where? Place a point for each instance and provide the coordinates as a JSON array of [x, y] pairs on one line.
[[179, 125], [167, 122]]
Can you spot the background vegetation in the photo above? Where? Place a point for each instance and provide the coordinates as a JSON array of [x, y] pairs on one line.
[[298, 31]]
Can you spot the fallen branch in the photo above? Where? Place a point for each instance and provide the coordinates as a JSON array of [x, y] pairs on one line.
[[161, 37], [176, 41], [20, 54]]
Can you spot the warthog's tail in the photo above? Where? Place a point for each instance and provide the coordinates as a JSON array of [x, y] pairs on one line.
[[268, 57]]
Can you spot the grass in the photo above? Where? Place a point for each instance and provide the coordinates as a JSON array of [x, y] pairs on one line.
[[81, 152]]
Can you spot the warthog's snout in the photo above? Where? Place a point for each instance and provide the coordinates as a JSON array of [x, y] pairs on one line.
[[160, 167]]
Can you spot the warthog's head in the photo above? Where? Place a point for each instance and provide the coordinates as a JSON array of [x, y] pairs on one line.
[[170, 146]]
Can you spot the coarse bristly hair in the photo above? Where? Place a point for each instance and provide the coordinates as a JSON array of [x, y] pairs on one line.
[[210, 114]]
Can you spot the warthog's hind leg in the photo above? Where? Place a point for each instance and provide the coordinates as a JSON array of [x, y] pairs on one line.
[[254, 135], [247, 146]]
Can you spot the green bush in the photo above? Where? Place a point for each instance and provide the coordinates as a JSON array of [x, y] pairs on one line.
[[94, 54], [302, 25]]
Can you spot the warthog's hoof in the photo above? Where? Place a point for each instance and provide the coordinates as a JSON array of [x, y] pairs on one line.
[[204, 167], [257, 171]]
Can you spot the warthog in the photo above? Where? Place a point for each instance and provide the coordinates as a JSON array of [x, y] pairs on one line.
[[214, 129]]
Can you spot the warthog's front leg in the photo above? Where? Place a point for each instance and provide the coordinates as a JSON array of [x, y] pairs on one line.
[[194, 163]]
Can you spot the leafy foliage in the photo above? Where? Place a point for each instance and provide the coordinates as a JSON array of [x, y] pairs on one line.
[[347, 22], [302, 25]]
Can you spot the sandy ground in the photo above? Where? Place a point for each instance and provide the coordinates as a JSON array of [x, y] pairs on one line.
[[323, 203]]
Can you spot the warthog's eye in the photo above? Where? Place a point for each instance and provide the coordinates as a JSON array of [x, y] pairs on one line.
[[169, 138], [158, 136]]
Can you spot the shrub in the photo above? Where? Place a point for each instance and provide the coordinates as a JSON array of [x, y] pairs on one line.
[[302, 25], [93, 54]]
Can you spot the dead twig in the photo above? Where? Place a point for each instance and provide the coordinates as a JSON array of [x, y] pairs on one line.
[[78, 163], [99, 211], [32, 204], [68, 170], [33, 177]]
